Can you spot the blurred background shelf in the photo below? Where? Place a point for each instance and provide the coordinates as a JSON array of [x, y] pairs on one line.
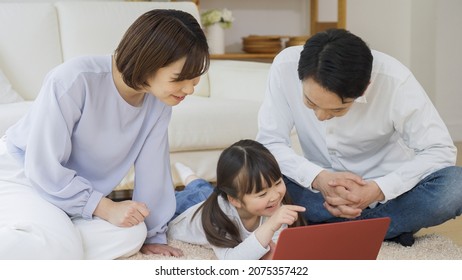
[[314, 16], [259, 57], [257, 18]]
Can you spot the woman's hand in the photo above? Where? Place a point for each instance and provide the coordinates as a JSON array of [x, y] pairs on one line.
[[125, 213], [161, 249]]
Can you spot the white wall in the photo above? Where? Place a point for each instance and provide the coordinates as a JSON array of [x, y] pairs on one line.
[[423, 34], [384, 24], [449, 64], [423, 44], [404, 29]]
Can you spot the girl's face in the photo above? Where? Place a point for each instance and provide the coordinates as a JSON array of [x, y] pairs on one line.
[[166, 89], [266, 202]]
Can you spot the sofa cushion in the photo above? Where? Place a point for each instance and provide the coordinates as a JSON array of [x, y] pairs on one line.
[[244, 80], [200, 123], [7, 93], [83, 23], [29, 44], [203, 88]]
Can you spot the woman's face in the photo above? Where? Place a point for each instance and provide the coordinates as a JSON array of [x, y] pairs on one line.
[[166, 89]]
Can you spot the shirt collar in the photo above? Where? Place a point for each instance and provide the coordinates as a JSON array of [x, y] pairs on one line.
[[363, 98]]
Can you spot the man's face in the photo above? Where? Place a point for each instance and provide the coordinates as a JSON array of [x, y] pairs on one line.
[[325, 104]]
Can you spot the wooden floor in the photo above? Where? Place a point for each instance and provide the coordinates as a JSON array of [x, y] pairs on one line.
[[451, 228]]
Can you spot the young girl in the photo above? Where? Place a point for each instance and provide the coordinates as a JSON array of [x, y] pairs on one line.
[[94, 118], [243, 215]]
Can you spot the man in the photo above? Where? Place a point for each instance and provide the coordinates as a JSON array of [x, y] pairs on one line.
[[373, 144]]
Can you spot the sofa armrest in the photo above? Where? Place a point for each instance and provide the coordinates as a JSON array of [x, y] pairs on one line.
[[10, 113]]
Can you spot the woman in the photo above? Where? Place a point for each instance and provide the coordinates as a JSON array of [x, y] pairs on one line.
[[94, 118]]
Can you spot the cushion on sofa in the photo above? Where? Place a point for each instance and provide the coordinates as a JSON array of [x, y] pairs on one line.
[[29, 44], [203, 87], [82, 23], [243, 80], [200, 123]]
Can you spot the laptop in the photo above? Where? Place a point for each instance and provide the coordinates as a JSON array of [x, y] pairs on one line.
[[349, 240]]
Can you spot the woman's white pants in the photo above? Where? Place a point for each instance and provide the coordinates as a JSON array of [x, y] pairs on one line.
[[32, 228]]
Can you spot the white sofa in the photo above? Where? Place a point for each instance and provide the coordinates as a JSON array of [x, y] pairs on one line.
[[35, 37]]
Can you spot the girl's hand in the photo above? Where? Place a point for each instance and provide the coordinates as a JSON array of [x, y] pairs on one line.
[[286, 214], [125, 213], [161, 249]]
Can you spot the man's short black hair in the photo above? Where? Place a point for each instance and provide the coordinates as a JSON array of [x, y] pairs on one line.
[[339, 61]]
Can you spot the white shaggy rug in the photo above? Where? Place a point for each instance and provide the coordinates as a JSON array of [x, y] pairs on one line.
[[426, 247]]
